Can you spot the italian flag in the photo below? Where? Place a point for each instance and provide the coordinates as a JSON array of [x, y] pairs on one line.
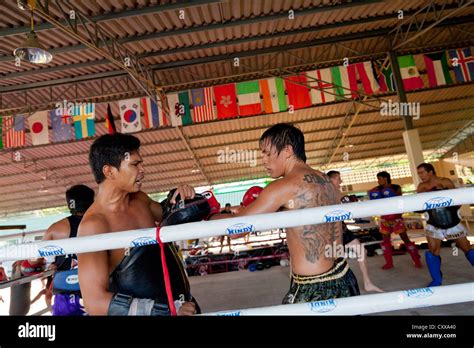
[[273, 92], [345, 82], [437, 69], [248, 94], [410, 75]]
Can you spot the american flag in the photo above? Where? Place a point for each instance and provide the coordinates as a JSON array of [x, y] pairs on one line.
[[202, 105], [14, 130]]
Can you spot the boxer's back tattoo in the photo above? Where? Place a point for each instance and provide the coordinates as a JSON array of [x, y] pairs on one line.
[[314, 191]]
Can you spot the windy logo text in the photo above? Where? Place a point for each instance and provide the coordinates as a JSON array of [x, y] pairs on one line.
[[438, 202], [337, 215], [142, 241], [322, 306], [240, 228], [51, 250]]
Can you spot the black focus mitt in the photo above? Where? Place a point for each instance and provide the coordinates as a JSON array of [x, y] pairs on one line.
[[189, 210]]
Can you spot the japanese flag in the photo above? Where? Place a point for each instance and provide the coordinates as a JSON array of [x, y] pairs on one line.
[[38, 123]]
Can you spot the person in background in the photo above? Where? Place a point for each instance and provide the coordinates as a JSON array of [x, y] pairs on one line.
[[351, 241], [227, 210], [392, 223]]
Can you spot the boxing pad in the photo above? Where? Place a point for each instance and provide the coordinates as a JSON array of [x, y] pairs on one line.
[[349, 199], [375, 193], [66, 282], [189, 210], [214, 205], [388, 192], [251, 195], [32, 267]]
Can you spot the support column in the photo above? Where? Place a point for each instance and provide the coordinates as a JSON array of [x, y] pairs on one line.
[[411, 137]]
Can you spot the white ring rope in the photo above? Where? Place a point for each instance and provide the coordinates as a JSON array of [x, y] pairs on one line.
[[251, 223], [23, 280], [367, 304]]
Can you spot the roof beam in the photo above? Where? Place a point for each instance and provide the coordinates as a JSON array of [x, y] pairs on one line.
[[228, 42], [156, 67], [102, 18], [92, 35], [225, 25]]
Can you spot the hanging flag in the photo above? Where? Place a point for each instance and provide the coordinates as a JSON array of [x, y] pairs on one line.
[[385, 76], [437, 69], [410, 75], [180, 111], [38, 123], [203, 110], [226, 101], [298, 93], [366, 76], [14, 131], [345, 82], [463, 64], [273, 93], [61, 125], [322, 89], [130, 115], [150, 112], [83, 116], [109, 121], [248, 94]]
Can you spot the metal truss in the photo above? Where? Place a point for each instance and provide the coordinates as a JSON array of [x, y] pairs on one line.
[[93, 91], [33, 166], [83, 29], [444, 148], [419, 24]]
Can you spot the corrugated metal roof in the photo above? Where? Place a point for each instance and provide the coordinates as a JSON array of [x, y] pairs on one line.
[[202, 46]]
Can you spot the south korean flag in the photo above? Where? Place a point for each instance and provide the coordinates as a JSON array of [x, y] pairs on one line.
[[130, 115]]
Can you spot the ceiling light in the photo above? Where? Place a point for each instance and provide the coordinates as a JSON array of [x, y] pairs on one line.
[[195, 170], [22, 4], [31, 50]]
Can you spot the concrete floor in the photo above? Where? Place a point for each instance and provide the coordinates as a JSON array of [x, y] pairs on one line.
[[244, 289]]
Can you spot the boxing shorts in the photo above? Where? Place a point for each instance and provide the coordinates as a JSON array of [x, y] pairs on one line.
[[67, 305], [392, 226], [338, 282], [450, 233]]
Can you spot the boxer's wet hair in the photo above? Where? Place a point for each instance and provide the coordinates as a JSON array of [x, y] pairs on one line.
[[79, 198], [110, 149], [333, 173], [385, 175], [428, 167], [283, 134]]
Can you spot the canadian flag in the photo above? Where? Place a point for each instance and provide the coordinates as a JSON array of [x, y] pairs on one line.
[[38, 123]]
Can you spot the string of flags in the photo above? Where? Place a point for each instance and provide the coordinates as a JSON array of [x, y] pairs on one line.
[[264, 96]]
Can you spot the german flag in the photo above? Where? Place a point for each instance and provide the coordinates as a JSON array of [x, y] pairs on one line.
[[109, 121]]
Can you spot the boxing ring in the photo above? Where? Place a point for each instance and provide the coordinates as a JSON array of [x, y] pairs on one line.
[[326, 214]]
